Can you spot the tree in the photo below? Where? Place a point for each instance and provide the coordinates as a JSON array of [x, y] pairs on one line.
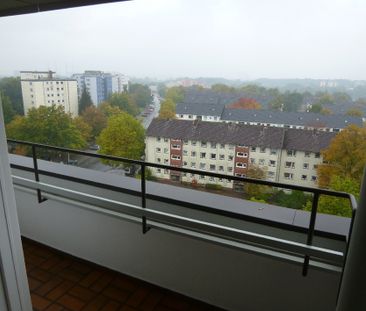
[[292, 101], [345, 157], [326, 111], [316, 108], [175, 93], [85, 101], [167, 109], [11, 88], [222, 88], [108, 110], [8, 110], [141, 94], [246, 103], [84, 128], [95, 119], [123, 137], [254, 190], [354, 112], [47, 125], [124, 102], [295, 199]]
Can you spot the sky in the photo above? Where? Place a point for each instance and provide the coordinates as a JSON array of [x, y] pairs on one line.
[[164, 39]]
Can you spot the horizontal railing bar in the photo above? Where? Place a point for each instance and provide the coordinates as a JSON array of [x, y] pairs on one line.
[[199, 236], [212, 210], [184, 222], [187, 170]]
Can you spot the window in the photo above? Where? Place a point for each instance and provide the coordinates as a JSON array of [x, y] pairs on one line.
[[221, 168], [202, 166], [289, 164], [252, 160], [315, 166], [240, 175], [305, 166], [158, 139], [273, 151], [241, 164], [222, 146], [185, 163], [193, 153], [242, 154], [203, 155], [166, 150], [229, 169], [288, 175], [166, 161], [261, 161], [190, 116], [185, 152], [230, 157], [212, 167], [203, 144], [272, 163], [291, 153], [158, 170], [253, 149], [175, 146], [270, 174], [213, 145], [202, 176], [185, 142], [175, 157], [158, 150], [317, 154], [304, 177], [307, 154], [158, 160], [222, 157], [181, 116], [262, 150], [193, 143], [166, 140], [213, 156], [211, 179], [313, 178], [193, 164], [231, 147]]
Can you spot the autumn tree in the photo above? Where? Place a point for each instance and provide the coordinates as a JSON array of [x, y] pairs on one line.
[[175, 94], [123, 137], [246, 103], [85, 101], [222, 88], [95, 119], [141, 94], [47, 125], [345, 157], [167, 109], [124, 102], [317, 108], [253, 190], [354, 112], [84, 128], [108, 110]]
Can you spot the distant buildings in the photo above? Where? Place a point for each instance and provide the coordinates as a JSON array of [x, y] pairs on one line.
[[286, 155], [298, 120], [100, 85], [42, 88]]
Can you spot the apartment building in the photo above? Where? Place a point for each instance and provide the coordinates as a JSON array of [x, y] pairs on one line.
[[285, 155], [217, 112], [100, 85], [42, 88]]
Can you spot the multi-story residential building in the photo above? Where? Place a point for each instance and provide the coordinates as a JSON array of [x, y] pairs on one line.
[[286, 155], [42, 88], [100, 85], [298, 120]]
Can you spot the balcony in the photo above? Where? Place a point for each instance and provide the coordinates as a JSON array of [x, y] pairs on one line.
[[226, 252]]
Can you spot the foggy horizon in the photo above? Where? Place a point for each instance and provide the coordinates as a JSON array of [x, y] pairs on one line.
[[169, 39]]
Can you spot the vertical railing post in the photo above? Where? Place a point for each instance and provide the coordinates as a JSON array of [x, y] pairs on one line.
[[36, 175], [309, 241], [352, 289], [143, 197]]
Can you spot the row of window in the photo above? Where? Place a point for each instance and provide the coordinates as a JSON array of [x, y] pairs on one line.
[[290, 176], [292, 153], [305, 166]]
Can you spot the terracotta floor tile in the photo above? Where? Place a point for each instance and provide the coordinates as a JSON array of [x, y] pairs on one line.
[[39, 303], [60, 290], [33, 283], [115, 293], [137, 297], [55, 307], [48, 286], [111, 306], [71, 303], [151, 301], [81, 293], [96, 303], [90, 278]]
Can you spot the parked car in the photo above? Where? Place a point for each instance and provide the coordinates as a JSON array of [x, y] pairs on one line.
[[94, 147], [130, 171]]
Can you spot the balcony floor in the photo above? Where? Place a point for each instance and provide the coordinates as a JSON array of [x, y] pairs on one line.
[[59, 281]]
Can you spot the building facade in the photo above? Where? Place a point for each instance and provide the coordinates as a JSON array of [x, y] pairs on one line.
[[100, 85], [42, 88], [285, 155]]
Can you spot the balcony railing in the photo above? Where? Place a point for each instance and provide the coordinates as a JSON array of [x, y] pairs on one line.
[[150, 218]]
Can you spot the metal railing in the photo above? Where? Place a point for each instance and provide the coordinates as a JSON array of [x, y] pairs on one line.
[[316, 192]]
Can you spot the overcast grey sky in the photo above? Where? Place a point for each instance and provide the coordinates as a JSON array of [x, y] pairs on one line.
[[241, 39]]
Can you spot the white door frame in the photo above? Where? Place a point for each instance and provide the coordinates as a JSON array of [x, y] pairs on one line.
[[12, 268]]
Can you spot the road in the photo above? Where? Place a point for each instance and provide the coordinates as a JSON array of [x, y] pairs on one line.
[[156, 102]]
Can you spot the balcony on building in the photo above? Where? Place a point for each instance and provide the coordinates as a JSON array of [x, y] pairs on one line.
[[201, 250]]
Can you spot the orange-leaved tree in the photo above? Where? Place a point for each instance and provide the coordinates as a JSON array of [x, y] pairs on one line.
[[246, 103]]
